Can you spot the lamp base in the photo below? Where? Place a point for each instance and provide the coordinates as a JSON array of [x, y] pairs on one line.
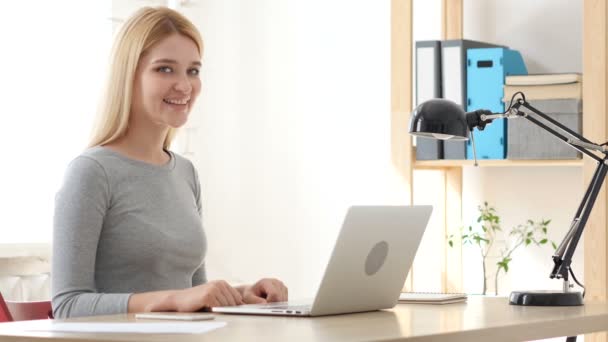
[[545, 298]]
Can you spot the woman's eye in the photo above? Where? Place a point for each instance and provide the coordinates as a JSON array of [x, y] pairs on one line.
[[194, 72], [164, 69]]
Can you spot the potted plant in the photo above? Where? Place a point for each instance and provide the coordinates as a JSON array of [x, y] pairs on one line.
[[531, 233]]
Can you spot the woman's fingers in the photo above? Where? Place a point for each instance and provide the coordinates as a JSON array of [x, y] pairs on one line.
[[231, 295], [236, 295]]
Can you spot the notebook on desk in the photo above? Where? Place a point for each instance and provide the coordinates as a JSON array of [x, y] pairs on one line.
[[431, 298]]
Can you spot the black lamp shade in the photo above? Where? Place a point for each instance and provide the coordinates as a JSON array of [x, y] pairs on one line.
[[439, 119]]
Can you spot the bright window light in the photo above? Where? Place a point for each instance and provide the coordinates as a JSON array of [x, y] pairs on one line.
[[54, 57]]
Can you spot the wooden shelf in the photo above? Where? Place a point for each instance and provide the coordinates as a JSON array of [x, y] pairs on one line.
[[595, 126], [440, 164]]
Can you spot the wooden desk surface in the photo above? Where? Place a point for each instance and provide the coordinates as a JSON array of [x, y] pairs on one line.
[[481, 319]]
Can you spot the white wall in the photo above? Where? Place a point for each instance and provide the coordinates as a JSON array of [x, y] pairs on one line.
[[53, 65], [548, 33], [293, 126]]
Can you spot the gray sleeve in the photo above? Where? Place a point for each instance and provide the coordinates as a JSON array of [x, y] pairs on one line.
[[80, 207], [197, 191], [200, 276]]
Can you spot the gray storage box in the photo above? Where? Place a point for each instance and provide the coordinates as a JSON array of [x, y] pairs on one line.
[[428, 149], [454, 149], [526, 140]]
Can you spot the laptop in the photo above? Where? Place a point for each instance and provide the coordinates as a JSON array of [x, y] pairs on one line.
[[367, 268]]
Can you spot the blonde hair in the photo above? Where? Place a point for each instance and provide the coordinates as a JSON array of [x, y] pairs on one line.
[[146, 27]]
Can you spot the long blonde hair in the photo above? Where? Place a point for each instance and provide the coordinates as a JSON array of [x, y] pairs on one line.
[[146, 27]]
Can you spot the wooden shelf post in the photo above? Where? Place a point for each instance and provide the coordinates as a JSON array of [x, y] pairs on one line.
[[595, 92], [401, 95]]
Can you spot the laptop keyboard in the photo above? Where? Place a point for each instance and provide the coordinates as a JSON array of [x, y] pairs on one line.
[[288, 307]]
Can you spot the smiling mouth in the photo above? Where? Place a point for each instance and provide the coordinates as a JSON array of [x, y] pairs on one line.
[[182, 102]]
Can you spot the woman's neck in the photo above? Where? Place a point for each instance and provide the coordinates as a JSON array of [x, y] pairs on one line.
[[143, 142]]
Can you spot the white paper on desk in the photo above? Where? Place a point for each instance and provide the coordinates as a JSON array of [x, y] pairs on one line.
[[130, 327]]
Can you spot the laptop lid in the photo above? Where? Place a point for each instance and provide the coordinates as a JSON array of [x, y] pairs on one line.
[[372, 256], [371, 259]]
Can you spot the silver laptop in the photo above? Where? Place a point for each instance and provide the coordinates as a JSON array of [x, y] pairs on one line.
[[367, 268]]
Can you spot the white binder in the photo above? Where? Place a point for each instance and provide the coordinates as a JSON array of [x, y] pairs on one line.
[[428, 86]]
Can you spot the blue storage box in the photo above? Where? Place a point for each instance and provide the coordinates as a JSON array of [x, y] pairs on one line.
[[486, 72]]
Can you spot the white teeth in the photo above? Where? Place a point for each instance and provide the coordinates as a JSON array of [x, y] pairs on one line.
[[178, 102]]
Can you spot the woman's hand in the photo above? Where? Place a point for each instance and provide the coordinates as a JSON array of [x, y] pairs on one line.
[[211, 294], [265, 291]]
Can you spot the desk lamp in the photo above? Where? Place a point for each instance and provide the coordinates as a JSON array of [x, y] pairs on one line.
[[443, 119]]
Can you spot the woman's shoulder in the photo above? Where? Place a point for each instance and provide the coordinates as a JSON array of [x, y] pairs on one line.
[[88, 161], [185, 166], [95, 156], [179, 159]]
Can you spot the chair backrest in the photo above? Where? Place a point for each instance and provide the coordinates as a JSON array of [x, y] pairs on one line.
[[5, 315], [25, 311]]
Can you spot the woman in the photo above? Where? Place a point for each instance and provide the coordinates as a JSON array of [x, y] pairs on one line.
[[127, 229]]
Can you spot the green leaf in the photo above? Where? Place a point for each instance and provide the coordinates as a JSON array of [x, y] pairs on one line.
[[554, 245], [528, 241], [545, 230], [504, 264], [451, 243], [543, 241]]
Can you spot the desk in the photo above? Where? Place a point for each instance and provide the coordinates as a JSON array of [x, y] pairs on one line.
[[481, 319]]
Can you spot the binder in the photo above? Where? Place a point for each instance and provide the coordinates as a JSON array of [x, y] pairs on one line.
[[454, 83], [428, 86], [486, 72]]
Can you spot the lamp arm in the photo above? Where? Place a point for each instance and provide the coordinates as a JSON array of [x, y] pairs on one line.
[[562, 258]]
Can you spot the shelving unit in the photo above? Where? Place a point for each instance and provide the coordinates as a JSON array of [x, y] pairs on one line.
[[595, 95]]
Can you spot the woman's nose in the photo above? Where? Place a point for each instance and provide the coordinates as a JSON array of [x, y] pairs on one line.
[[183, 85]]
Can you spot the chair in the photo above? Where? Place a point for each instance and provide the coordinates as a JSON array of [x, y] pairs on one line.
[[24, 311], [5, 315]]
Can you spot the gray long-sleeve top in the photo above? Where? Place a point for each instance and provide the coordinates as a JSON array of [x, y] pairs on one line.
[[123, 226]]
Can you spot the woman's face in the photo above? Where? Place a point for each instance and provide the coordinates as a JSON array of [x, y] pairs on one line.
[[167, 82]]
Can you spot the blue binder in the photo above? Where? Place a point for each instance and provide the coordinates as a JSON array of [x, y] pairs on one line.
[[454, 83], [486, 72]]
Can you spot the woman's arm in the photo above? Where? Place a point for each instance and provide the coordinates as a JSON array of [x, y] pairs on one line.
[[80, 207], [213, 293]]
